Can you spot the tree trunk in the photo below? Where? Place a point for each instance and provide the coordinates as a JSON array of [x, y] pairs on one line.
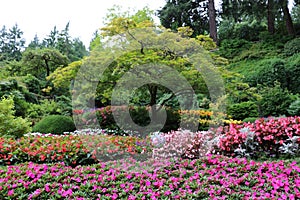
[[287, 17], [212, 20], [47, 67], [271, 17], [153, 93]]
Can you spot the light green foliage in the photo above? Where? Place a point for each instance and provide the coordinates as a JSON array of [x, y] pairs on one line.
[[55, 124], [9, 124], [62, 76], [35, 112], [206, 42], [144, 44], [119, 22]]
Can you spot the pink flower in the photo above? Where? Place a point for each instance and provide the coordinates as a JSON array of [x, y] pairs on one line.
[[148, 183], [68, 192], [114, 196], [10, 192]]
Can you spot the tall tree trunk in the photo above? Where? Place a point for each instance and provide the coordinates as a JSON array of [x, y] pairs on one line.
[[212, 20], [271, 17], [287, 17]]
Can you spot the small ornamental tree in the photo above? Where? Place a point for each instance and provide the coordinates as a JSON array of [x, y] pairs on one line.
[[9, 124]]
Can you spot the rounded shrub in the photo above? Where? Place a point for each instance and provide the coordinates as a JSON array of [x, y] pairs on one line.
[[55, 124], [243, 110], [250, 119], [292, 47]]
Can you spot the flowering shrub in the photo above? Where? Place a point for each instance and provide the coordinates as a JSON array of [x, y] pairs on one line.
[[212, 177], [205, 118], [71, 149], [272, 137], [183, 144]]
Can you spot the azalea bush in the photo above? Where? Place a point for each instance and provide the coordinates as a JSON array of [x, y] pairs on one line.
[[204, 118], [71, 149], [212, 177], [271, 137]]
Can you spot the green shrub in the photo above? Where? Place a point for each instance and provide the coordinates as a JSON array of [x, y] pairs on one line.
[[293, 73], [250, 119], [36, 112], [55, 124], [9, 124], [231, 48], [275, 101], [292, 47], [244, 30], [269, 71], [294, 108], [243, 110]]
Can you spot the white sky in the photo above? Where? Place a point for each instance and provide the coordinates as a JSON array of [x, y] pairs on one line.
[[85, 17]]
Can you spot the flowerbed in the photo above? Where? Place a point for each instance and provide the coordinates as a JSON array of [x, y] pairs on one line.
[[212, 177], [72, 149]]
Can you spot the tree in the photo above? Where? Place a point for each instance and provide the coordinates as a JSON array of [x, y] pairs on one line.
[[74, 49], [35, 43], [271, 17], [11, 44], [287, 17], [180, 13], [41, 62], [273, 11], [212, 21]]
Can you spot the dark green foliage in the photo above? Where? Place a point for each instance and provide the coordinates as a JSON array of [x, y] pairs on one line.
[[247, 30], [233, 47], [294, 108], [275, 101], [243, 110], [19, 93], [293, 73], [269, 71], [34, 84], [139, 115], [55, 124], [11, 43], [292, 47], [181, 13]]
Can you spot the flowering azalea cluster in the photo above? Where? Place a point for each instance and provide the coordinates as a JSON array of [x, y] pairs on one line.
[[212, 177], [205, 118], [72, 149], [272, 136]]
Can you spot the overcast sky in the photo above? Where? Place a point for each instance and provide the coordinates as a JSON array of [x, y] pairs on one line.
[[85, 17]]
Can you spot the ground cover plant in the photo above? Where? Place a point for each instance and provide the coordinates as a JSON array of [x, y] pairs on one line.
[[212, 177]]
